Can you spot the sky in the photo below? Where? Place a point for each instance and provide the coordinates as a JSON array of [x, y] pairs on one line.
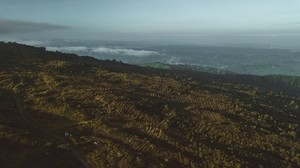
[[172, 19]]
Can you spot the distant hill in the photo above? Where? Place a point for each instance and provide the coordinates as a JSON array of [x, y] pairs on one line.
[[293, 81], [63, 110], [186, 67]]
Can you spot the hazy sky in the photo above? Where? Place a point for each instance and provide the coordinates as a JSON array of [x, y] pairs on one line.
[[96, 18]]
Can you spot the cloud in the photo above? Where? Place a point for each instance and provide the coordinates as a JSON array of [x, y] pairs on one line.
[[101, 50], [24, 41], [122, 51], [31, 42], [68, 49], [288, 24], [14, 26]]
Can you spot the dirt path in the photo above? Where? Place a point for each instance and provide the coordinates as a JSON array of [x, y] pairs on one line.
[[73, 148]]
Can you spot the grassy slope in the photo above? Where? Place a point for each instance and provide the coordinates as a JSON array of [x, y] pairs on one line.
[[144, 117]]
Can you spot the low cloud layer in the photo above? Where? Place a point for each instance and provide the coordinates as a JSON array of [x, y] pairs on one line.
[[14, 26], [122, 51], [68, 49], [104, 50]]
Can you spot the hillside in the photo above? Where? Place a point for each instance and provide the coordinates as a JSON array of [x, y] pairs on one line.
[[185, 67], [62, 110]]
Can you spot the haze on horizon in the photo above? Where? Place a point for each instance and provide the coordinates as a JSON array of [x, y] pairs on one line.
[[269, 22]]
